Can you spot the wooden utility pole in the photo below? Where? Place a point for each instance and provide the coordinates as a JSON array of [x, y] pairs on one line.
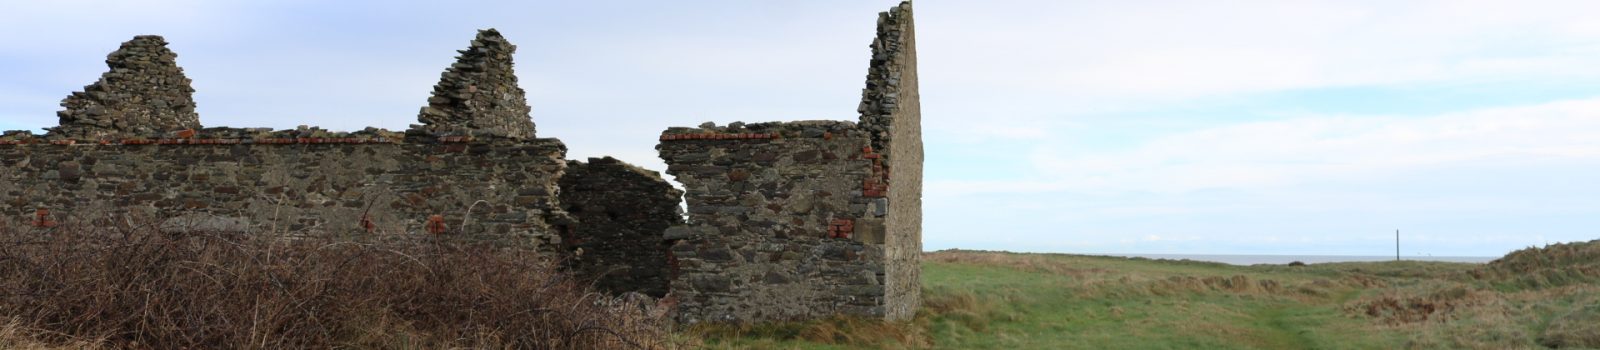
[[1397, 245]]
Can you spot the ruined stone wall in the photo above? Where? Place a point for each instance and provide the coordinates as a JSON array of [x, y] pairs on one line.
[[806, 219], [894, 115], [145, 93], [478, 95], [621, 211], [129, 144], [785, 221], [780, 225], [293, 182]]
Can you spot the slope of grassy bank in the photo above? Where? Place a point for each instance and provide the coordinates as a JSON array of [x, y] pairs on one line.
[[994, 300]]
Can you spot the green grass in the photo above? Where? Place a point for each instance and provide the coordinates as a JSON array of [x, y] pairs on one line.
[[997, 300]]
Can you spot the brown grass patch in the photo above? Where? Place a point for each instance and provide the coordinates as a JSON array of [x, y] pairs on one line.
[[1025, 262], [1438, 301], [1579, 328], [1552, 266]]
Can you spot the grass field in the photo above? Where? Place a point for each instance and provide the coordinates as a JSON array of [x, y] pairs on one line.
[[109, 286], [1535, 298]]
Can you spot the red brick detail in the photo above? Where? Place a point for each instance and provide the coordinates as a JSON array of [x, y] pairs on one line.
[[366, 223], [841, 228], [436, 224], [41, 218], [828, 135], [185, 133], [714, 136], [875, 185]]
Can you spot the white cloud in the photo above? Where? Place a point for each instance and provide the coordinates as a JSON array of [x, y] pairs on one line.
[[1128, 54], [1311, 149]]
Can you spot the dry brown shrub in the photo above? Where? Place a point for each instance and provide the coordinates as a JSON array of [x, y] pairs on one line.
[[15, 336], [141, 287], [1551, 266], [1025, 262], [1437, 302], [1579, 328]]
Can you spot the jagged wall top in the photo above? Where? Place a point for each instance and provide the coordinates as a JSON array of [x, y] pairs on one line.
[[478, 95], [144, 93], [892, 54]]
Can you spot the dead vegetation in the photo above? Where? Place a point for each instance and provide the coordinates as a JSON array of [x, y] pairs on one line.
[[1545, 296], [135, 286], [1551, 266], [1579, 328]]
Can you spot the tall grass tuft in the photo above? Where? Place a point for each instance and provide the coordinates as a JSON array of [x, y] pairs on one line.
[[137, 286]]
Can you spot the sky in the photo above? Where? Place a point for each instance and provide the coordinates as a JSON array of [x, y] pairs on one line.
[[1101, 127]]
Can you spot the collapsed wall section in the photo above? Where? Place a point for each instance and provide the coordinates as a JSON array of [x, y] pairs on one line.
[[145, 93], [620, 211], [292, 182], [784, 222]]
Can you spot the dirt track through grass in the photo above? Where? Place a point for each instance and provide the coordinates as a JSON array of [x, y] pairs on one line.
[[1283, 334]]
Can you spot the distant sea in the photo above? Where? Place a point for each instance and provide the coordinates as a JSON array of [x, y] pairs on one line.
[[1309, 259]]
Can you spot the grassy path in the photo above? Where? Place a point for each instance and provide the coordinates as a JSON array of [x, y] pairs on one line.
[[1282, 332]]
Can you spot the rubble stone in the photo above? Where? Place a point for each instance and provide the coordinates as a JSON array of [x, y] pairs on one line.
[[478, 95], [144, 93]]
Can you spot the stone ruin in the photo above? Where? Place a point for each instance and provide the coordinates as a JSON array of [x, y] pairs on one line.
[[479, 93], [623, 211], [785, 220], [144, 93], [805, 219]]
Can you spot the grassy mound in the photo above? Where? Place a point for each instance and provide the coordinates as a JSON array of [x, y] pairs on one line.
[[1552, 266], [141, 287]]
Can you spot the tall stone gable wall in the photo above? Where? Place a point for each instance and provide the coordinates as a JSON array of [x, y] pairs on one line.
[[621, 211], [803, 219], [892, 109]]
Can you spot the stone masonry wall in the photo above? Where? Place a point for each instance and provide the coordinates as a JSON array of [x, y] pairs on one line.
[[286, 183], [807, 219], [780, 226], [621, 211], [478, 95], [895, 117], [145, 93], [786, 220], [129, 144]]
